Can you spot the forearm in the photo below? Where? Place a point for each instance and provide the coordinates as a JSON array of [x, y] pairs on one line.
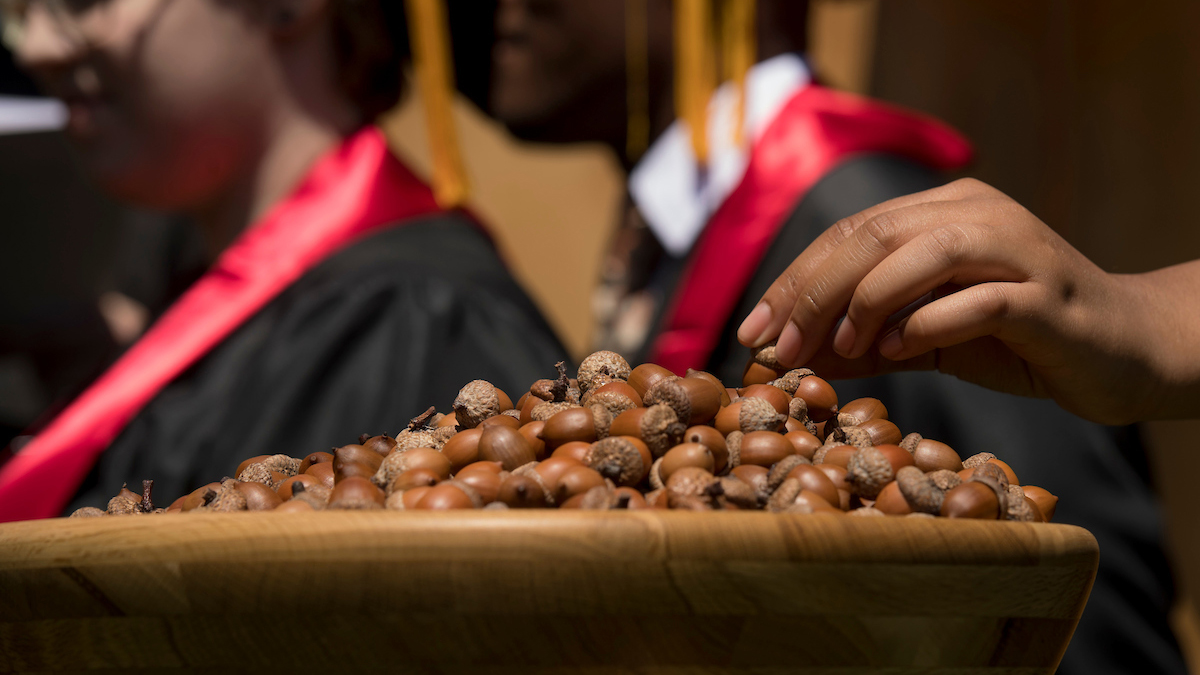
[[1164, 324]]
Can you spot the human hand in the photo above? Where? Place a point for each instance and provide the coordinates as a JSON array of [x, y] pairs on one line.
[[963, 280]]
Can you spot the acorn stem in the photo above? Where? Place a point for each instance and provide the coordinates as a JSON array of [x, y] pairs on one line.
[[147, 505], [562, 385], [420, 421]]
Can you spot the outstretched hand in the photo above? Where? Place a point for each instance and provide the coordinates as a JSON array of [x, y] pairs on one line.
[[964, 280]]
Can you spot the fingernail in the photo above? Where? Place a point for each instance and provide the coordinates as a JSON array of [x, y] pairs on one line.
[[787, 350], [752, 332], [843, 338], [891, 344]]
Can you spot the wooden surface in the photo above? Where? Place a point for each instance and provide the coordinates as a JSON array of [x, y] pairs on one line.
[[527, 592]]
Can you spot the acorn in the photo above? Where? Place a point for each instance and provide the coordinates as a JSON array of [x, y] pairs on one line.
[[462, 448], [356, 453], [324, 473], [294, 506], [575, 424], [382, 444], [714, 381], [533, 436], [819, 396], [971, 500], [684, 455], [227, 498], [313, 458], [195, 498], [551, 471], [882, 432], [413, 478], [617, 397], [803, 443], [711, 439], [930, 455], [860, 411], [315, 496], [259, 497], [764, 448], [356, 493], [485, 483], [504, 445], [644, 377], [576, 480], [1046, 502], [695, 400], [602, 367], [756, 373], [689, 482], [501, 419], [891, 502], [576, 450], [867, 471], [758, 414], [451, 495], [620, 459], [777, 397], [521, 492], [755, 476], [344, 470], [417, 458], [475, 402], [813, 479], [657, 426]]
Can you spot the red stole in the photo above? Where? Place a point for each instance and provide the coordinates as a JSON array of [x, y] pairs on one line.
[[350, 192], [816, 130]]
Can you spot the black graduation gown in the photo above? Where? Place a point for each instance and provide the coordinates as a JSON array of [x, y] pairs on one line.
[[361, 343], [1099, 473]]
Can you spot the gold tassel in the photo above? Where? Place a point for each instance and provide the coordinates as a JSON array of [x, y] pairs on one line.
[[637, 80], [740, 46], [430, 36], [695, 69]]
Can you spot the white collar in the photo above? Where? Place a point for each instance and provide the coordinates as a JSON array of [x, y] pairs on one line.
[[667, 186], [26, 114]]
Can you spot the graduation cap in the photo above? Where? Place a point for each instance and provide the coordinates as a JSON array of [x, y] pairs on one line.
[[700, 33], [429, 35]]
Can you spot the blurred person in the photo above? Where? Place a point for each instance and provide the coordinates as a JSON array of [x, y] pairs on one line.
[[341, 298], [713, 222]]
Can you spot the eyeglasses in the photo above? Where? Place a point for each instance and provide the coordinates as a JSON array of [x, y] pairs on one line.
[[66, 14]]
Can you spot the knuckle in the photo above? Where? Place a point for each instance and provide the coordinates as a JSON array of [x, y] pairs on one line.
[[993, 301], [881, 230], [949, 242], [843, 229]]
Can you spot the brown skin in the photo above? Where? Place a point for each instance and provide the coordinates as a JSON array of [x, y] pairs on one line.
[[558, 71], [1008, 304], [209, 107]]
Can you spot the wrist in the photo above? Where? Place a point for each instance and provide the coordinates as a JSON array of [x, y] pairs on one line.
[[1161, 313]]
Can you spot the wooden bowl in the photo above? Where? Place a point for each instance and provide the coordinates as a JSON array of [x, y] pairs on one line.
[[539, 593]]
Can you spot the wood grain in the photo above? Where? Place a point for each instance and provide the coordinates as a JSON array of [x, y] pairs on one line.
[[527, 592]]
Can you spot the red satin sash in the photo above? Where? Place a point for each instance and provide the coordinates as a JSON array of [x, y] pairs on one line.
[[355, 189], [816, 130]]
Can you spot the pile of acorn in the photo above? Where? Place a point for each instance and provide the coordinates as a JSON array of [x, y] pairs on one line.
[[634, 438]]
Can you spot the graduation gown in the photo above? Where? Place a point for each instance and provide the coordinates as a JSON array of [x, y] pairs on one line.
[[1099, 473], [381, 321]]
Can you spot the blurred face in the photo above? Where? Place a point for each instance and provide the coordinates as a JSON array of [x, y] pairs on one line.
[[165, 96], [558, 71]]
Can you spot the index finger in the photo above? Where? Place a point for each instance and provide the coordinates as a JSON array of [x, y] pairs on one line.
[[770, 315]]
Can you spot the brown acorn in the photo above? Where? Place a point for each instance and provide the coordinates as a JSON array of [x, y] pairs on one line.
[[285, 488], [862, 410], [485, 483], [714, 381], [504, 445], [259, 497], [645, 376], [600, 368], [764, 448], [501, 419], [356, 453], [521, 492], [576, 481], [575, 424], [683, 455], [356, 493], [475, 402], [711, 439], [931, 455], [533, 436], [382, 444], [462, 448], [777, 397], [448, 496], [819, 396], [971, 500], [313, 458], [1046, 502], [803, 443], [324, 473], [695, 400], [813, 479], [756, 373], [413, 478]]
